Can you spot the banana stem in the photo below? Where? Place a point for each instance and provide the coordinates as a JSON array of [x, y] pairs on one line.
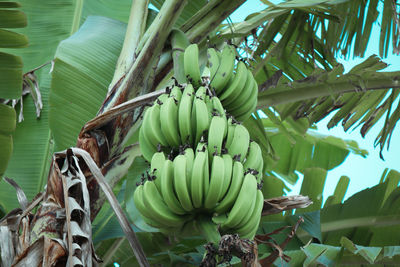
[[139, 80], [134, 32], [136, 81], [209, 230], [344, 84], [179, 42], [206, 20]]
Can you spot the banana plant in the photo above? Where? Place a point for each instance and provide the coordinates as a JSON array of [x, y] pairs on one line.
[[106, 62], [11, 75]]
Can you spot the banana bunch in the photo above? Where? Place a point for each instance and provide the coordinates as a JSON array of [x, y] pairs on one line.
[[188, 188], [178, 118], [212, 180], [237, 89], [243, 217], [162, 197], [181, 119], [205, 172]]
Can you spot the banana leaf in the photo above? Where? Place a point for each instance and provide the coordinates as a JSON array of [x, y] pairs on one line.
[[33, 143], [10, 75]]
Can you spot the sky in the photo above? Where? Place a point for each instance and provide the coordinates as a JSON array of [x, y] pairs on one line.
[[363, 172]]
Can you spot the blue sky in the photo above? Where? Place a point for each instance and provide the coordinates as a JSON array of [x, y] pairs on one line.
[[363, 172]]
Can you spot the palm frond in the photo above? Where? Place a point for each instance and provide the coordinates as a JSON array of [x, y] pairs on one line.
[[290, 149], [360, 98], [345, 27]]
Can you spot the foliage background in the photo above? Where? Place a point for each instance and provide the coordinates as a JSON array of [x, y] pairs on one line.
[[364, 172]]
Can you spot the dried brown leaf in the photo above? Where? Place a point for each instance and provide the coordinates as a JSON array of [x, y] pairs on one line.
[[279, 204]]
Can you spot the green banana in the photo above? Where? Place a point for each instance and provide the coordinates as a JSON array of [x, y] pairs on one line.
[[213, 61], [220, 110], [243, 97], [146, 147], [180, 182], [252, 108], [189, 154], [197, 179], [230, 131], [216, 134], [225, 69], [234, 188], [206, 180], [205, 75], [184, 115], [155, 224], [161, 99], [144, 212], [200, 145], [249, 229], [138, 200], [157, 207], [191, 65], [249, 106], [200, 118], [240, 143], [210, 107], [154, 118], [234, 88], [216, 181], [245, 218], [242, 203], [201, 92], [167, 188], [231, 103], [207, 177], [156, 167], [217, 106], [179, 42], [228, 166], [176, 92], [169, 122], [151, 126], [254, 159]]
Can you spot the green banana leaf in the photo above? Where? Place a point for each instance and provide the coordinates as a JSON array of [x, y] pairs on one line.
[[313, 186], [370, 217], [83, 68], [189, 10], [32, 139], [350, 94], [106, 8], [346, 254], [106, 226], [364, 227], [157, 247], [7, 121], [10, 75], [338, 27], [49, 23], [296, 152]]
